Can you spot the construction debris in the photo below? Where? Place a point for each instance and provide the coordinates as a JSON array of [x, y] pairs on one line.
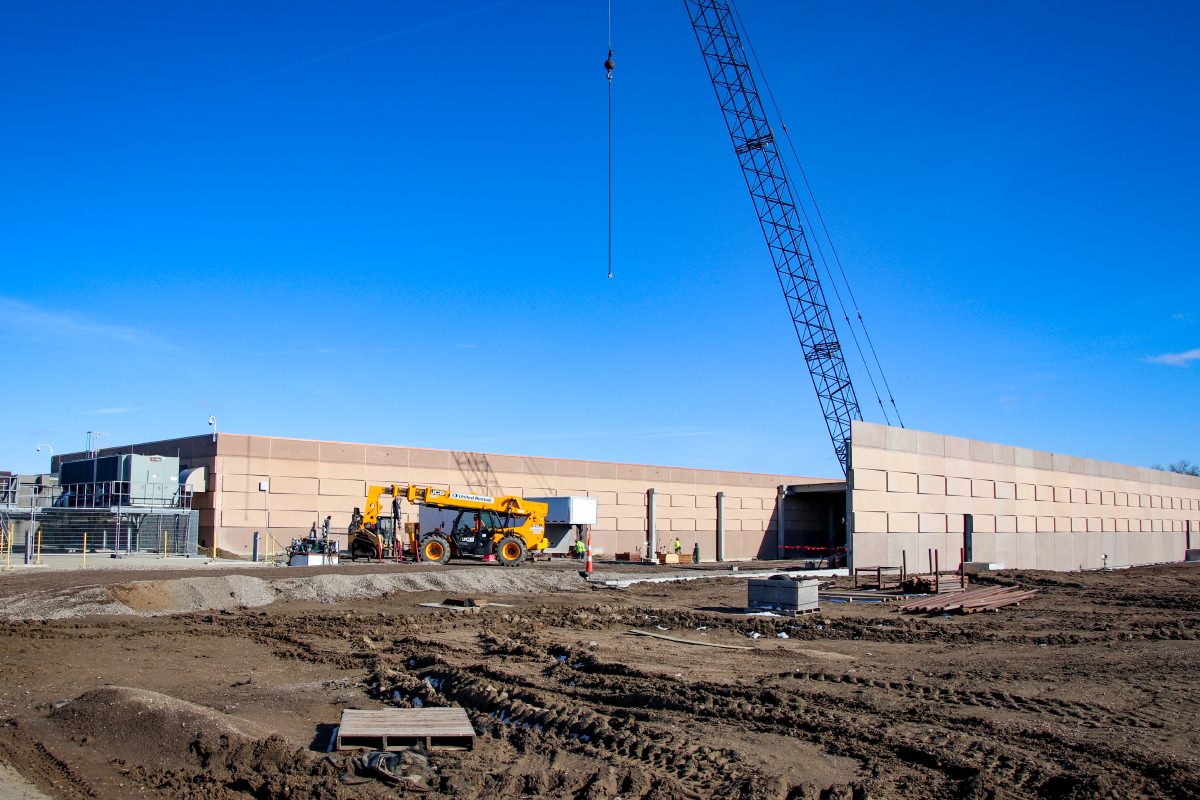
[[409, 768], [968, 602], [465, 602]]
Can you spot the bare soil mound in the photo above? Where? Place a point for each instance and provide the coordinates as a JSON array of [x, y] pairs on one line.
[[155, 729], [186, 750]]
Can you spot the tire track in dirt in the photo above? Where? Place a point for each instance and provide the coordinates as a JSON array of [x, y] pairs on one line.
[[39, 765]]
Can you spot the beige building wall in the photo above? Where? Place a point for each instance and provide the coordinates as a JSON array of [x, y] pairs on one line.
[[910, 490], [306, 480]]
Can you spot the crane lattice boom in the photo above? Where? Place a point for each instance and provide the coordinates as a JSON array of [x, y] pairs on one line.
[[754, 144]]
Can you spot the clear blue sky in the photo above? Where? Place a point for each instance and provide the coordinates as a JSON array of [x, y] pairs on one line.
[[385, 222]]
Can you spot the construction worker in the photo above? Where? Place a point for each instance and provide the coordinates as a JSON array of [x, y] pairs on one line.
[[580, 547], [678, 546]]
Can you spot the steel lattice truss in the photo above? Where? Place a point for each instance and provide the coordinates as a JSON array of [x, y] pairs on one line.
[[756, 150]]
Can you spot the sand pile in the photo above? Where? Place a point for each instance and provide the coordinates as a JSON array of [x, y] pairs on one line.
[[485, 580], [185, 595]]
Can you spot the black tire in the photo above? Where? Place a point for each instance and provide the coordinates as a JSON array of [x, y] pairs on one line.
[[435, 549], [511, 551]]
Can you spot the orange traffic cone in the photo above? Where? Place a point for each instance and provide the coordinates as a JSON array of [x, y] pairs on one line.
[[589, 554]]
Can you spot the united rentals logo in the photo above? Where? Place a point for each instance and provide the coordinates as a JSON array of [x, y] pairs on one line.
[[474, 498]]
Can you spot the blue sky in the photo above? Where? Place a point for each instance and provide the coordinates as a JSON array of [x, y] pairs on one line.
[[385, 222]]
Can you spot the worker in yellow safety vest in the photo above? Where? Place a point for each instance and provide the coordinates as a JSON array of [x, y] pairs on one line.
[[678, 546]]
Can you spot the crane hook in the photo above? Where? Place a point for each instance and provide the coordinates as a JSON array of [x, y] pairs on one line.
[[609, 64]]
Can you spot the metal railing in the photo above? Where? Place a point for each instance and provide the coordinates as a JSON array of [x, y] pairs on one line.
[[105, 517]]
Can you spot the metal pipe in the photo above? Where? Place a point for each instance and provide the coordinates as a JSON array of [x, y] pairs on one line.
[[721, 526], [651, 525]]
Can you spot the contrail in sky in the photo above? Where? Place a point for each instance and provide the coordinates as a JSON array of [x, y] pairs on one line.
[[434, 23]]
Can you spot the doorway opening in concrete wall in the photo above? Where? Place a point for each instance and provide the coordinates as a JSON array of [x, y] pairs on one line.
[[813, 525]]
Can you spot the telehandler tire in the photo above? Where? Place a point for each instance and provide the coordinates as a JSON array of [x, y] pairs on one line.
[[510, 551], [435, 549]]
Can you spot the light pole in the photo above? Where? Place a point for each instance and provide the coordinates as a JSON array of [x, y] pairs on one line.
[[29, 537]]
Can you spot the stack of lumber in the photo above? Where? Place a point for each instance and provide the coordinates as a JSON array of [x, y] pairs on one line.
[[971, 601], [861, 595]]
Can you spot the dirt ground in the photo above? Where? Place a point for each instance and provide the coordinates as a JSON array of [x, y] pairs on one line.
[[1088, 690]]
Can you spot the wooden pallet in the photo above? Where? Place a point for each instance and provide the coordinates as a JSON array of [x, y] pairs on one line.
[[398, 728]]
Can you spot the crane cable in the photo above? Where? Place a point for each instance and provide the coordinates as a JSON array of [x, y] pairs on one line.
[[608, 68], [821, 217]]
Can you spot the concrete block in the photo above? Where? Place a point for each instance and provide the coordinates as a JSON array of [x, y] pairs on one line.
[[870, 521], [983, 488], [348, 488], [901, 439], [958, 487], [931, 523], [341, 451], [298, 449], [784, 594], [631, 472], [1003, 454], [931, 444], [931, 484], [904, 482], [302, 486], [867, 434], [958, 447], [868, 480]]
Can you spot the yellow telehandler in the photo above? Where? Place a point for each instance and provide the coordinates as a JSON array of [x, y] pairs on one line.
[[505, 529]]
